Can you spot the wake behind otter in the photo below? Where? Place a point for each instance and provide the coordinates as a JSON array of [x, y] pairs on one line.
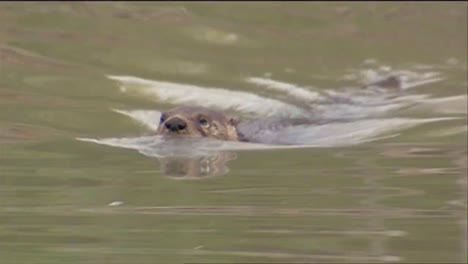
[[347, 116]]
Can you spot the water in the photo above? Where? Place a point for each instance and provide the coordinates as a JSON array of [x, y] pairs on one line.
[[389, 185]]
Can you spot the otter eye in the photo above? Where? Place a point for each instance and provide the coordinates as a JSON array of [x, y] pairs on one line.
[[162, 118], [203, 121]]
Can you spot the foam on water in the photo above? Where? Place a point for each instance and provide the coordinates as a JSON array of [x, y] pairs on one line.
[[448, 105], [149, 118], [290, 89], [354, 102]]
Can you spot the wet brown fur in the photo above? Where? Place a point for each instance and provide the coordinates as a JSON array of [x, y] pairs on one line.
[[218, 124]]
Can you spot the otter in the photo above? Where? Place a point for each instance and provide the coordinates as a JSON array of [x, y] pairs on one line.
[[198, 121]]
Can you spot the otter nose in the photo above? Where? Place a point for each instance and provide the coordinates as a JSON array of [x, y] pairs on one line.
[[175, 124]]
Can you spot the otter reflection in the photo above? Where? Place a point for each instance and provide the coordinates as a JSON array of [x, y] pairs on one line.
[[186, 168]]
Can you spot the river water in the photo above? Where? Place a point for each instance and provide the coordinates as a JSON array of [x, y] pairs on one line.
[[84, 180]]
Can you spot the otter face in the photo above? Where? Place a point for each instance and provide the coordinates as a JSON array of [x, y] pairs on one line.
[[197, 121]]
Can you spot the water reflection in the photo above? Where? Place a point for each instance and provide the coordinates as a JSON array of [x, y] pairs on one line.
[[189, 168]]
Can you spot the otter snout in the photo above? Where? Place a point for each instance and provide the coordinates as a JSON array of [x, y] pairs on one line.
[[175, 124]]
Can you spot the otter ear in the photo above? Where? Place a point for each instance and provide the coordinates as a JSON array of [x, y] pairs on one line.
[[234, 121]]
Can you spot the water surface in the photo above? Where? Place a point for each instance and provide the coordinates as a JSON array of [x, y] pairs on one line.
[[392, 188]]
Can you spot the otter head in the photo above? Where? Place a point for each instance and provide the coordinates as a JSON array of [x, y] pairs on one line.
[[195, 121]]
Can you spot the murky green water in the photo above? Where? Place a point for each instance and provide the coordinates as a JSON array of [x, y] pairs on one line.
[[401, 199]]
